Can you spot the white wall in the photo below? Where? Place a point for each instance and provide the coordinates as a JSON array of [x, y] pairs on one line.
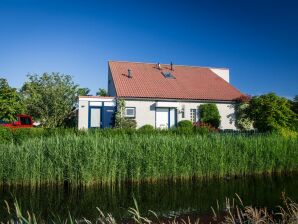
[[226, 111], [145, 111], [224, 73], [111, 87], [83, 114]]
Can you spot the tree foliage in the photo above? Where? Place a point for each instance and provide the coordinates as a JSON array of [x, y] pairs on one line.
[[50, 98], [243, 121], [83, 91], [10, 102], [271, 112], [295, 104], [209, 114], [101, 92]]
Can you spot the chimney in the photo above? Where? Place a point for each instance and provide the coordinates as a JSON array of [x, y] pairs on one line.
[[158, 65], [129, 73], [171, 66]]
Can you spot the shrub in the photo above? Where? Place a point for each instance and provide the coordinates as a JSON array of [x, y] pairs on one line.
[[287, 133], [128, 123], [146, 127], [185, 127], [271, 112], [204, 128], [243, 122], [185, 124], [120, 120], [5, 135], [209, 114]]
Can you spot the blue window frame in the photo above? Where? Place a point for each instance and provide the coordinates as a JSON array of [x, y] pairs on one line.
[[90, 122]]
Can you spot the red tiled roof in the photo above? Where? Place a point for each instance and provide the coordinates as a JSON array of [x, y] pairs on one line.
[[192, 83]]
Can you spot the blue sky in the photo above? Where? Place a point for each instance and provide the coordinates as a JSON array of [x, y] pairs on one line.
[[257, 40]]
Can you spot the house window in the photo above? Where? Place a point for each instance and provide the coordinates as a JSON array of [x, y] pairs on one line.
[[194, 115], [168, 75], [130, 112]]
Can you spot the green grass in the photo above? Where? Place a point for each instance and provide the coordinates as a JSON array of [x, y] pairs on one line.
[[112, 155]]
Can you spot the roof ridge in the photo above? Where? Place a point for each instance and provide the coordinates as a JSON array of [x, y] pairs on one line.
[[150, 63]]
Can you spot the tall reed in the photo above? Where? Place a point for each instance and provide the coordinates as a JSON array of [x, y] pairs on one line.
[[108, 157]]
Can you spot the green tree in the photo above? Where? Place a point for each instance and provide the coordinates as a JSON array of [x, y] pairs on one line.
[[50, 98], [295, 104], [10, 102], [101, 92], [83, 91], [209, 114], [295, 109], [270, 112]]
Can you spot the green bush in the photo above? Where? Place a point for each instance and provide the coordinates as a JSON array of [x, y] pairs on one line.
[[185, 127], [185, 124], [128, 123], [209, 114], [5, 135], [203, 128], [270, 112], [147, 127]]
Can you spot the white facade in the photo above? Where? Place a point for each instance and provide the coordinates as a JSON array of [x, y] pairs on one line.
[[96, 112], [145, 111]]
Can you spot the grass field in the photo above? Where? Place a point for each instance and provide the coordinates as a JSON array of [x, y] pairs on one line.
[[112, 156]]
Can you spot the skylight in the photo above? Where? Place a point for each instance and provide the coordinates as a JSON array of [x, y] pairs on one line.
[[168, 75]]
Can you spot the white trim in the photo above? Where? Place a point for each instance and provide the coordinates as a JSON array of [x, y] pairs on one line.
[[110, 104], [134, 112], [95, 99], [98, 104], [167, 104]]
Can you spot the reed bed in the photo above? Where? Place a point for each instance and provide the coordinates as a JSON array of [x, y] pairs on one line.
[[112, 157], [234, 212]]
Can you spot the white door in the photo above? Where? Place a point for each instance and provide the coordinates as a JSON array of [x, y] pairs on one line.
[[94, 117], [162, 118]]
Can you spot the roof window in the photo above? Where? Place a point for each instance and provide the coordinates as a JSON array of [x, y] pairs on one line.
[[168, 75]]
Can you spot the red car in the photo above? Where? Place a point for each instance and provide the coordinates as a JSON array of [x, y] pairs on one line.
[[24, 121]]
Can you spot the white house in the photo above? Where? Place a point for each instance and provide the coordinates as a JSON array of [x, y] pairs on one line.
[[160, 95]]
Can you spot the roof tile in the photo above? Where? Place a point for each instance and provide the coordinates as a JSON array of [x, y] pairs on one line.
[[192, 83]]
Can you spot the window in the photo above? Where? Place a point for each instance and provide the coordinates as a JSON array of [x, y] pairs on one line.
[[193, 115], [25, 121], [130, 112], [168, 75]]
